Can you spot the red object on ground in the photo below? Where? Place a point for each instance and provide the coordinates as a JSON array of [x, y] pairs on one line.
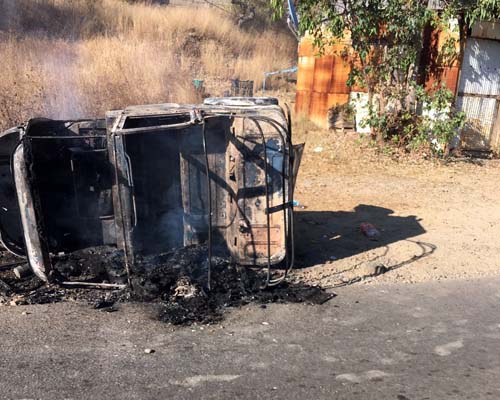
[[369, 231]]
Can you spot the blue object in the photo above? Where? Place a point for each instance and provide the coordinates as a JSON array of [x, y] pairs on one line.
[[293, 14], [281, 71], [198, 83]]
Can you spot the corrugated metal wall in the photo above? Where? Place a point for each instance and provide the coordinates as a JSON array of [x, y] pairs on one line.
[[321, 81], [479, 93], [486, 30], [435, 68]]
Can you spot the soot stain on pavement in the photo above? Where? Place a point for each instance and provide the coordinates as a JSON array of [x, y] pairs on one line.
[[176, 281]]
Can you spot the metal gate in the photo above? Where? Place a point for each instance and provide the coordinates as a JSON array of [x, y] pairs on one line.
[[479, 94]]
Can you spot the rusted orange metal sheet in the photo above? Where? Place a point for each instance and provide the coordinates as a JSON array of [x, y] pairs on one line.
[[323, 73], [321, 82], [437, 69], [302, 102], [340, 74], [305, 74], [318, 110], [335, 99], [447, 75], [306, 48]]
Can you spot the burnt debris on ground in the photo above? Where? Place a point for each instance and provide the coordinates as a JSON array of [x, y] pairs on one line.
[[176, 281]]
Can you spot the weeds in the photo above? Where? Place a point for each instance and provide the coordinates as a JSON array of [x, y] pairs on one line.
[[79, 58]]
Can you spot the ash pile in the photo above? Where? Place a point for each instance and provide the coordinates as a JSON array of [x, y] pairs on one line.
[[177, 282]]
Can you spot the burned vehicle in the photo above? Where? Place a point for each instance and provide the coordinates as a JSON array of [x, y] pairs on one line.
[[148, 179]]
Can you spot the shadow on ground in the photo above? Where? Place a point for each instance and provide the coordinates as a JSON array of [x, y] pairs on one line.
[[323, 236], [177, 281]]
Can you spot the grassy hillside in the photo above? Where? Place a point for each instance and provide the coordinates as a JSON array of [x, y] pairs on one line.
[[76, 58]]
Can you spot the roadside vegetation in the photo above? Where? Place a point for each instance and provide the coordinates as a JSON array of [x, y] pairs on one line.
[[384, 42], [79, 58]]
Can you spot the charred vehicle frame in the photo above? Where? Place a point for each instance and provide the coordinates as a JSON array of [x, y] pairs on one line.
[[148, 179]]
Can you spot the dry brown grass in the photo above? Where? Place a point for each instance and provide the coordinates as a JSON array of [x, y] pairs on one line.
[[75, 58]]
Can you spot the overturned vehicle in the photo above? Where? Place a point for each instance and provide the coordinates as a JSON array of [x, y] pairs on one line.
[[149, 179]]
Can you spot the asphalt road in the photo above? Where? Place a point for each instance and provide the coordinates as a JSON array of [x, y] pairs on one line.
[[423, 341]]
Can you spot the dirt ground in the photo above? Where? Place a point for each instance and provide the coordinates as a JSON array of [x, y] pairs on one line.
[[437, 220]]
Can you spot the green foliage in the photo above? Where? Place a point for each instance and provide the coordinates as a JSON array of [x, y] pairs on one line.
[[470, 11], [478, 10], [347, 111], [384, 43], [384, 35], [433, 127], [439, 121], [253, 14]]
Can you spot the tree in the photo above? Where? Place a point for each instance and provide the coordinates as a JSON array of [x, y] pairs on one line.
[[384, 44], [246, 13]]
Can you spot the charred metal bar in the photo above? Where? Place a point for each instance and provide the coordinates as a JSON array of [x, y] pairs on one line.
[[289, 266], [285, 211], [36, 249], [69, 137], [209, 189], [120, 171], [11, 248], [290, 261], [92, 285], [291, 187], [268, 216], [281, 207]]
